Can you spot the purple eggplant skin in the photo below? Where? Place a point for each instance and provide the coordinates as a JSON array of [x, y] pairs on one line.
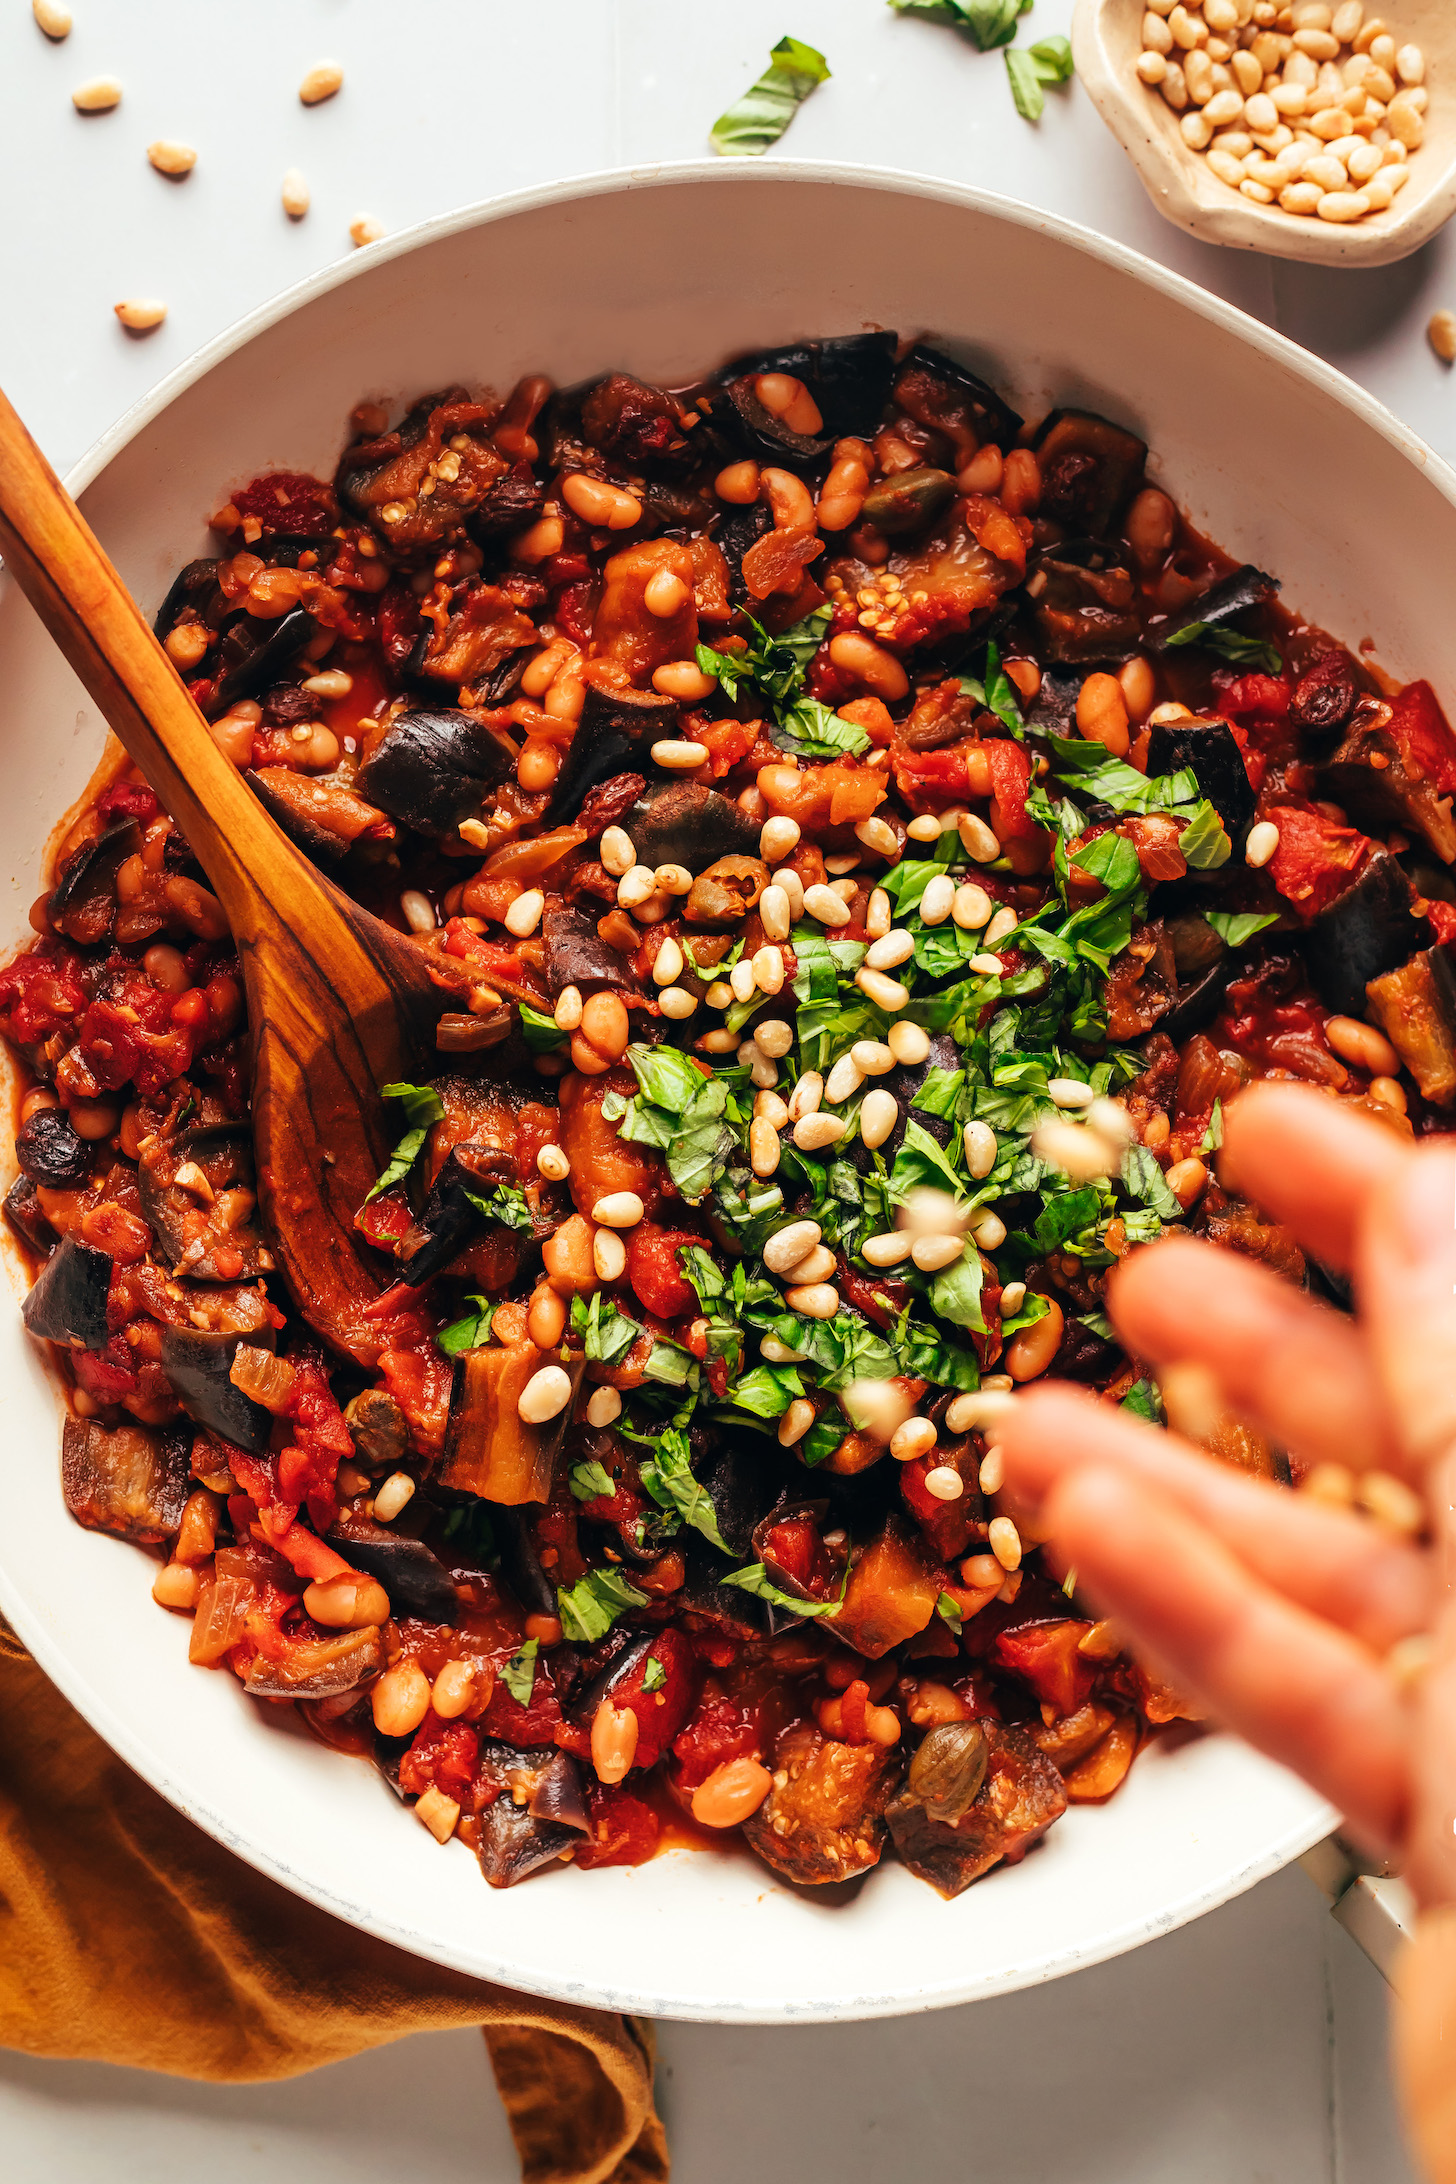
[[849, 377], [1370, 929], [613, 736], [67, 1303], [132, 1481], [1055, 709], [317, 843], [1201, 1002], [412, 1574], [22, 1211], [197, 1361], [432, 769], [50, 1150], [576, 954], [1223, 602], [263, 665], [766, 437], [450, 1218], [1090, 468], [519, 1562], [1208, 749], [995, 419], [736, 1613], [516, 1839], [628, 1655], [83, 906], [742, 1480], [195, 585], [687, 823], [740, 529], [786, 1582]]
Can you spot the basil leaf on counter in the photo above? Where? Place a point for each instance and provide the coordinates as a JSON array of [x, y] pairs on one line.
[[765, 110]]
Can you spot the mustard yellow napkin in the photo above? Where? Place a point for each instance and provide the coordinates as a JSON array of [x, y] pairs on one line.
[[128, 1936]]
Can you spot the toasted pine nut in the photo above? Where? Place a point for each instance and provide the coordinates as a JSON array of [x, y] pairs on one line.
[[1005, 1542], [545, 1393], [931, 1253], [917, 1437], [972, 907], [552, 1162], [825, 906], [877, 916], [296, 193], [981, 1407], [97, 95], [673, 753], [945, 1483], [936, 902], [617, 853], [169, 156], [392, 1497], [886, 993], [618, 1210], [778, 839], [321, 82], [140, 314], [53, 19], [843, 1081], [878, 1116], [605, 1405], [609, 1255], [365, 230], [878, 835], [796, 1421], [978, 839], [524, 914], [764, 1147], [813, 1132], [788, 1245]]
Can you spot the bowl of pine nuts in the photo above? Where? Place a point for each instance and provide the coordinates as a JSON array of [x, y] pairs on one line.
[[1308, 129]]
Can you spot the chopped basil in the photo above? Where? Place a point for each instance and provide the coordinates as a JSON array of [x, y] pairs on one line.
[[997, 692], [680, 1112], [669, 1363], [654, 1675], [1235, 927], [1204, 841], [422, 1106], [594, 1603], [811, 730], [1090, 767], [955, 1292], [1049, 61], [1230, 644], [1143, 1179], [1213, 1135], [667, 1475], [589, 1482], [990, 23], [755, 1579], [543, 1035], [1143, 1401], [505, 1204], [922, 1160], [949, 1611], [765, 110], [607, 1334], [471, 1331], [767, 1391], [519, 1673]]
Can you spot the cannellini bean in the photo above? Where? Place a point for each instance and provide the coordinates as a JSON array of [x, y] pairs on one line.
[[1441, 334], [170, 156], [97, 95], [870, 664], [53, 19], [1363, 1045], [731, 1794], [600, 504], [400, 1700], [614, 1733]]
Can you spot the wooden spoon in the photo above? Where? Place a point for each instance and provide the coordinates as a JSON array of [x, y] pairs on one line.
[[338, 1002]]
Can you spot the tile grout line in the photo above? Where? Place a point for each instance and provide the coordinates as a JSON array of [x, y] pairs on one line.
[[1332, 2104]]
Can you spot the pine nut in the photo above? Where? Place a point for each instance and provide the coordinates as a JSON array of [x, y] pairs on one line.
[[871, 1059], [877, 915], [53, 19], [816, 1300], [297, 196], [1004, 923], [1013, 1297], [392, 1496], [141, 313], [169, 156], [917, 1437], [321, 82], [770, 1108], [878, 835], [988, 1229], [787, 1246], [825, 906], [887, 1250], [843, 1081], [945, 1483], [925, 828], [813, 1132], [417, 911], [779, 1353], [807, 1094], [605, 1405], [1441, 334], [524, 914], [609, 1255], [677, 1002], [617, 854], [178, 1585], [1151, 67], [878, 1116], [931, 1253], [365, 230], [796, 1421], [673, 879], [788, 879], [677, 755], [1263, 840], [614, 1733], [981, 1149], [768, 969], [618, 1210], [775, 913], [1084, 1155], [636, 887], [567, 1014], [1069, 1092], [545, 1394], [778, 839], [978, 840], [935, 903], [1393, 1505], [97, 95], [909, 1043], [1005, 1542], [774, 1037], [764, 1147], [971, 908], [552, 1162], [740, 979], [886, 993], [1410, 64], [980, 1408], [1343, 206]]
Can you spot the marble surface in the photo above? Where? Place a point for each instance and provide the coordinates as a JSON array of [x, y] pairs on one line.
[[1244, 2049]]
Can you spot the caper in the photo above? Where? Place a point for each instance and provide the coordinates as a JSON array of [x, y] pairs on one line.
[[726, 892], [948, 1769], [908, 501]]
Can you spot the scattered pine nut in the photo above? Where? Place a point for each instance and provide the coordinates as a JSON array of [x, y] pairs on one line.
[[321, 83], [53, 19], [97, 95], [296, 194], [169, 156], [366, 229], [141, 314], [1441, 334]]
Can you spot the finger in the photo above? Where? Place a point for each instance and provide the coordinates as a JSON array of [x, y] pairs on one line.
[[1431, 1866], [1405, 1274], [1330, 1565], [1307, 1160], [1297, 1689], [1293, 1368]]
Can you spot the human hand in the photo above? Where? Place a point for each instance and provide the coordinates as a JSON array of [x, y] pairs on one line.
[[1278, 1612]]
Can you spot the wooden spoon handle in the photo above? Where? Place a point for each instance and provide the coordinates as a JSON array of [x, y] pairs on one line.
[[58, 563]]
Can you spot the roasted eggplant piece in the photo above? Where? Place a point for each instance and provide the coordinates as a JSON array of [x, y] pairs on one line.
[[131, 1481], [849, 377], [512, 502], [318, 1668], [433, 769], [22, 1211], [740, 529], [323, 817], [739, 1615], [83, 906], [195, 586], [893, 1588], [908, 500], [613, 735], [740, 1478], [50, 1150], [520, 1563], [485, 630], [1020, 1794], [1090, 469], [400, 472], [515, 1839], [249, 663], [450, 1217], [1378, 779], [378, 1428], [636, 423], [1222, 603], [1208, 748], [67, 1303], [629, 1656], [211, 1158], [197, 1363], [412, 1574], [490, 1450], [1055, 708], [822, 1820], [1368, 930], [766, 437], [1200, 1002], [937, 391], [687, 823], [1416, 1009], [576, 954], [1086, 606]]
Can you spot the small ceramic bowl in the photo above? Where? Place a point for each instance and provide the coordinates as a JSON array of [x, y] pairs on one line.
[[1106, 42]]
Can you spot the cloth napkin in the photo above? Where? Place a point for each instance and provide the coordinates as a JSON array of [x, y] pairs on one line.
[[128, 1936]]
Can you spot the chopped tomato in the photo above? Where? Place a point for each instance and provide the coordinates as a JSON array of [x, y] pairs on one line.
[[623, 1830], [41, 993], [720, 1729], [1316, 860], [1010, 780], [1245, 697], [290, 502], [1046, 1655], [660, 1712], [535, 1723], [443, 1757], [655, 1271], [1422, 734]]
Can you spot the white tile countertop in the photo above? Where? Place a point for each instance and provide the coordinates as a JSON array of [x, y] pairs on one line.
[[1244, 2049]]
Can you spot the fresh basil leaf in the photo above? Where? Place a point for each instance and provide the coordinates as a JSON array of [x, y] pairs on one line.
[[1204, 841], [543, 1034], [811, 730], [819, 962], [998, 693], [654, 1675], [422, 1106], [1143, 1179], [669, 1363], [667, 1476], [606, 1333], [908, 880], [755, 1579], [1213, 1135], [767, 1391], [922, 1160], [589, 1481], [1090, 767], [1065, 1215], [592, 1605], [505, 1204], [950, 1612], [1142, 1400], [1049, 61], [708, 1283], [927, 1357], [955, 1292], [764, 112], [471, 1331], [820, 1442], [940, 1093], [700, 1150], [1033, 1308], [1235, 927], [667, 1078], [1230, 644], [519, 1673]]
